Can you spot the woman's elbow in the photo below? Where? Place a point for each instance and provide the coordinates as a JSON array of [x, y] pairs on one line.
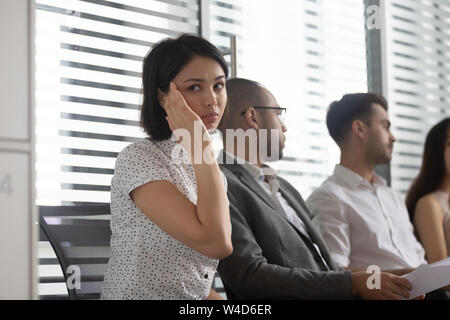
[[228, 250], [221, 251]]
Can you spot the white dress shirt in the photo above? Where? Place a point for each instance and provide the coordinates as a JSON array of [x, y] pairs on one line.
[[365, 223]]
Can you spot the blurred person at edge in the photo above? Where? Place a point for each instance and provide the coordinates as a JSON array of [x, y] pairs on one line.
[[428, 197]]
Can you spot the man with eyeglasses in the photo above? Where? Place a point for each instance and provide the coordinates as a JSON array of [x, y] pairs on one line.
[[278, 252]]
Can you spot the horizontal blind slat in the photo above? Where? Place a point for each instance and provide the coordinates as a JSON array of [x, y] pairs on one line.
[[88, 87]]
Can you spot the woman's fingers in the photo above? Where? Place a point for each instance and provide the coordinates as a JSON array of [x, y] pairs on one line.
[[169, 105], [183, 106], [169, 100], [178, 111], [175, 100]]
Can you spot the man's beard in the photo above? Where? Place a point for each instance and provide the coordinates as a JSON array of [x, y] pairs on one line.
[[384, 159]]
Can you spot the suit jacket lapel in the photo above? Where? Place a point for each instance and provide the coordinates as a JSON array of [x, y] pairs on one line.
[[245, 177], [250, 182], [299, 210]]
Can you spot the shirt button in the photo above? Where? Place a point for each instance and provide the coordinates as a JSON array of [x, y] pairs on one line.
[[206, 276]]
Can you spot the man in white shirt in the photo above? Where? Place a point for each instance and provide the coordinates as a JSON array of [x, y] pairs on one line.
[[363, 221], [278, 252]]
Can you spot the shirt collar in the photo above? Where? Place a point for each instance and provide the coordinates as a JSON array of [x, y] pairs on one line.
[[354, 180], [255, 171]]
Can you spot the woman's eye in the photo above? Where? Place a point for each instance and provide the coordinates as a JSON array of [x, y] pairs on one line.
[[219, 85], [194, 87]]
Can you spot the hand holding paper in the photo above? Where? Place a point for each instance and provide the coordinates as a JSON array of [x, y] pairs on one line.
[[429, 277]]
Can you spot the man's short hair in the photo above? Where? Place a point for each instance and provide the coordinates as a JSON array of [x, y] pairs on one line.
[[356, 106], [242, 93]]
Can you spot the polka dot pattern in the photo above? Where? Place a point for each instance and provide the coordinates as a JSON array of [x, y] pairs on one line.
[[145, 261]]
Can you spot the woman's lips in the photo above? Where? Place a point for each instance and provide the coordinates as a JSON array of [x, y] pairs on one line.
[[210, 117]]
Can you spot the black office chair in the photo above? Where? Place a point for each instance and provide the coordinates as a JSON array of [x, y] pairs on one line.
[[80, 237], [218, 285]]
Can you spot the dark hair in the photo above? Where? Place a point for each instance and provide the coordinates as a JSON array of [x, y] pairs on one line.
[[432, 171], [241, 93], [161, 65], [356, 106]]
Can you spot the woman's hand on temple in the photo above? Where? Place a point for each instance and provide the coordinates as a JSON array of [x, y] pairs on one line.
[[181, 116]]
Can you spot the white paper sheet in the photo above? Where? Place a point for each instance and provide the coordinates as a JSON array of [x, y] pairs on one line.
[[429, 277]]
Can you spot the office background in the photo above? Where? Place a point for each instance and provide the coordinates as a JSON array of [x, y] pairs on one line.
[[88, 55]]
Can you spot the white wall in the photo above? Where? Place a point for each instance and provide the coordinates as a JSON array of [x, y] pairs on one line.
[[18, 228]]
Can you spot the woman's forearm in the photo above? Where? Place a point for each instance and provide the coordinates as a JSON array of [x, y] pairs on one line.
[[212, 203]]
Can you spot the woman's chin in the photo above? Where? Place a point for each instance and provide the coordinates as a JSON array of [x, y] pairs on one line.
[[210, 126]]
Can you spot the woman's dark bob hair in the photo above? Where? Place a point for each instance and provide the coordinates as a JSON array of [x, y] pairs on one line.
[[432, 172], [161, 65]]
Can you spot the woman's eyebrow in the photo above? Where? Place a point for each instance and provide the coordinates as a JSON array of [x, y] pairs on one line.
[[203, 80], [195, 79]]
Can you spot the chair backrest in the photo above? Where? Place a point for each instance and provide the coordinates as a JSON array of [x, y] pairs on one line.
[[80, 237], [218, 286]]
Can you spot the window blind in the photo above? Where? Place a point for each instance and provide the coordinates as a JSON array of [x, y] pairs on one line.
[[334, 64], [225, 22], [225, 18], [88, 92], [308, 53], [418, 68], [88, 67]]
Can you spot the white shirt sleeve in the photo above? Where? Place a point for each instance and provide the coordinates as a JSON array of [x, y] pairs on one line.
[[334, 226], [407, 224], [138, 165]]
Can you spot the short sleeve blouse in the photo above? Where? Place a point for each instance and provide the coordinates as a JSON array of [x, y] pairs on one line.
[[145, 261]]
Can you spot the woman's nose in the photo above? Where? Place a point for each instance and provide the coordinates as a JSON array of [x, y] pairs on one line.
[[210, 98]]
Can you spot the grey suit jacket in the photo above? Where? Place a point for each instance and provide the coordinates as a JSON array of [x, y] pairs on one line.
[[271, 258]]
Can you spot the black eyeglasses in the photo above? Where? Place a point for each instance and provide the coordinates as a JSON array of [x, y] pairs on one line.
[[281, 114]]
